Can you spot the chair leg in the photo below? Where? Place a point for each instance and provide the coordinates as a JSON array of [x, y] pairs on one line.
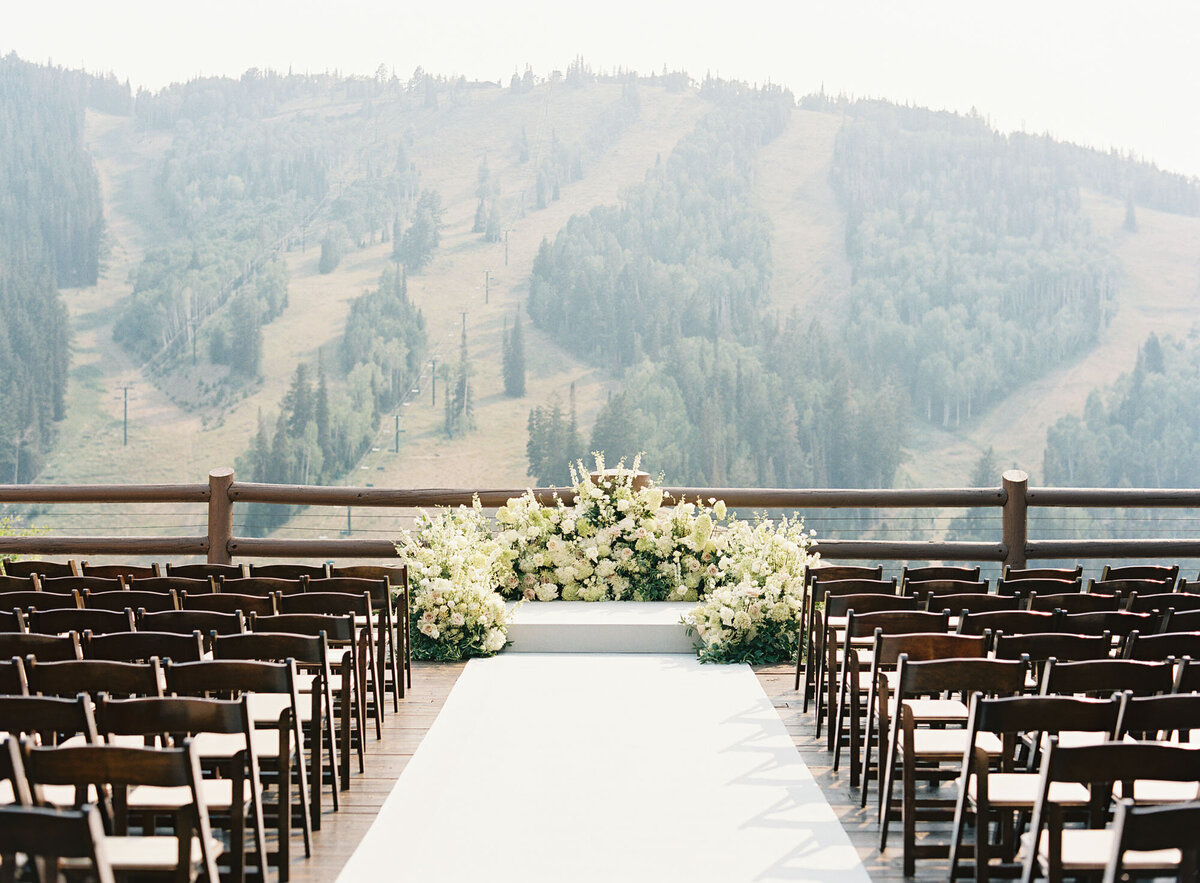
[[887, 779], [909, 800], [254, 780], [334, 765], [960, 821]]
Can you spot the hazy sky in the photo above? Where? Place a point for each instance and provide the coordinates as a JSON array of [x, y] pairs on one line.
[[1092, 71]]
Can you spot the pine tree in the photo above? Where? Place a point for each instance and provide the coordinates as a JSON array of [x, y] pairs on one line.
[[514, 361]]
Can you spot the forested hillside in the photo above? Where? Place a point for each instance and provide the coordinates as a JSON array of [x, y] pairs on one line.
[[51, 224]]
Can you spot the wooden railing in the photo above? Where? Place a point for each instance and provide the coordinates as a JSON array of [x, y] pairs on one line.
[[220, 545]]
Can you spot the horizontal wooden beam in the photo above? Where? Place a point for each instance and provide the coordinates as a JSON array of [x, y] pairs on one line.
[[66, 545], [1115, 548], [252, 547], [398, 498], [104, 493], [871, 550], [1114, 498]]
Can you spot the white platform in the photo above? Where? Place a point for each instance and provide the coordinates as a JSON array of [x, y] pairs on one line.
[[600, 627], [605, 768]]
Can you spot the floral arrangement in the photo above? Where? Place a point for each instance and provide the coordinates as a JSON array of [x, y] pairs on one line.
[[752, 615], [620, 539], [454, 566]]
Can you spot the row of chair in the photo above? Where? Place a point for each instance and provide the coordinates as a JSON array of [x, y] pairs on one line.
[[30, 567]]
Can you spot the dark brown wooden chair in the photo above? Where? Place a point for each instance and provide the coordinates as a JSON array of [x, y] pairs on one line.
[[228, 602], [1011, 622], [1071, 575], [1126, 587], [1135, 603], [1151, 829], [98, 622], [68, 585], [119, 571], [812, 598], [958, 604], [142, 646], [41, 600], [383, 625], [1117, 623], [1161, 718], [885, 657], [923, 589], [1055, 851], [311, 655], [929, 747], [18, 584], [1159, 572], [13, 681], [261, 586], [1163, 646], [938, 573], [207, 622], [1037, 649], [225, 679], [997, 790], [176, 584], [860, 633], [397, 581], [48, 718], [130, 599], [40, 832], [1103, 677], [1022, 588], [1074, 602], [205, 571], [1184, 621], [31, 567], [236, 794], [47, 648], [289, 571], [360, 607], [122, 769], [96, 676]]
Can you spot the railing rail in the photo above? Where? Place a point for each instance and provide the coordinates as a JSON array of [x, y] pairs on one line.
[[1013, 497]]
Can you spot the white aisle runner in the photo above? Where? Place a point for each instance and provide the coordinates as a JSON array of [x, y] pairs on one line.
[[565, 767]]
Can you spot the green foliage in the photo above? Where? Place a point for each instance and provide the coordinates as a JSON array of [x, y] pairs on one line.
[[460, 397], [416, 247], [514, 360], [332, 249], [553, 443], [974, 268]]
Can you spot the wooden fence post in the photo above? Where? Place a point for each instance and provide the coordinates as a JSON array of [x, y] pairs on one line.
[[1015, 524], [220, 516]]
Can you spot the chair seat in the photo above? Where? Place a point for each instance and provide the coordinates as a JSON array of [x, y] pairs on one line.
[[220, 746], [1089, 850], [63, 796], [864, 678], [1159, 791], [1022, 790], [267, 707], [152, 853], [217, 794], [933, 709], [112, 739], [1076, 739], [950, 744]]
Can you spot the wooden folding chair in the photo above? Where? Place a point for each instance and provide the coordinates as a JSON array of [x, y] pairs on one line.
[[119, 571], [143, 646], [1062, 574], [59, 622], [130, 599], [205, 571], [1163, 646], [96, 676], [40, 832], [263, 586], [291, 572], [228, 602], [923, 590], [1074, 602], [812, 598], [1159, 572], [18, 584], [398, 615], [938, 572], [207, 622], [178, 584], [47, 648], [1177, 602], [1103, 677], [1143, 830], [33, 567]]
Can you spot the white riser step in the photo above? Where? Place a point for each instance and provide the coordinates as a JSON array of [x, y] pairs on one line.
[[600, 627]]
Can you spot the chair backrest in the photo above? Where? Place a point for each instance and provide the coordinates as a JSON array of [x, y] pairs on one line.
[[289, 571], [958, 676], [889, 648], [1161, 717], [837, 587], [39, 831], [48, 717], [18, 584], [41, 600], [66, 585], [895, 622], [272, 647], [397, 574], [337, 629], [142, 646], [1146, 828], [1023, 587], [1011, 622], [261, 586], [1014, 574], [47, 648], [30, 567], [126, 571], [336, 603], [1185, 621], [1117, 622], [956, 604], [12, 621], [228, 602], [178, 584], [1163, 646], [1061, 646], [1074, 602], [1107, 676], [939, 572], [131, 600], [188, 621], [1048, 714], [95, 676], [832, 572], [838, 605], [1125, 587], [176, 715], [1160, 572], [378, 589], [99, 622], [922, 589], [13, 681], [1178, 601], [230, 677], [205, 571]]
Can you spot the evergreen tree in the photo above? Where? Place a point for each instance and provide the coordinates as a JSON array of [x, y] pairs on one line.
[[514, 361]]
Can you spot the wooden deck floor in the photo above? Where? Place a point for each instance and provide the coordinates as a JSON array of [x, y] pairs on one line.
[[432, 682]]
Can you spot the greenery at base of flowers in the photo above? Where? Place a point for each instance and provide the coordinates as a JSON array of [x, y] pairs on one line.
[[772, 644]]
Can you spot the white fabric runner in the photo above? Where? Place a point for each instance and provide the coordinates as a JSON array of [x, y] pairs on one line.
[[605, 768]]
